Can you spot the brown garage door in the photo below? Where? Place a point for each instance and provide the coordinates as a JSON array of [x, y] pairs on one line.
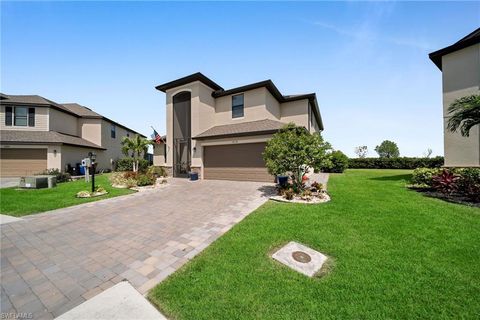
[[22, 162], [239, 162]]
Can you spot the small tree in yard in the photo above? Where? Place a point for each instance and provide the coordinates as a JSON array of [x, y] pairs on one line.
[[292, 150], [387, 149], [361, 151], [136, 147]]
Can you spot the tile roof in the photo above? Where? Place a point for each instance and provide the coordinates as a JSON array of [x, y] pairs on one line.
[[44, 137], [242, 129]]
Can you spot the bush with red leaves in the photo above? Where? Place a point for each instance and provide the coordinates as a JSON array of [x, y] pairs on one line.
[[446, 182]]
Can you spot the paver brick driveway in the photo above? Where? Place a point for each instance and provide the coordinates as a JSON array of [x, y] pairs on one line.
[[54, 261]]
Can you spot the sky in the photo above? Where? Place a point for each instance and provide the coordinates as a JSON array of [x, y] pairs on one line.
[[366, 61]]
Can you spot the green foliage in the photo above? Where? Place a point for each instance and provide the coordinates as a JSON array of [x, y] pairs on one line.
[[387, 149], [463, 182], [61, 176], [145, 180], [132, 179], [469, 184], [292, 149], [395, 163], [126, 164], [157, 171], [465, 114], [423, 176], [338, 162], [136, 147]]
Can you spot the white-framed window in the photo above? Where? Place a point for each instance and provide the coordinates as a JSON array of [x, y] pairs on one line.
[[237, 106]]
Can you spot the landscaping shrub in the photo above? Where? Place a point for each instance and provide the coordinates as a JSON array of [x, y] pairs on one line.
[[423, 176], [338, 162], [145, 180], [463, 182], [61, 176], [469, 183], [118, 178], [126, 164], [157, 171], [445, 182], [395, 163]]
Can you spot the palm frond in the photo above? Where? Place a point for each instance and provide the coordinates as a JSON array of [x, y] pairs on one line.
[[465, 114]]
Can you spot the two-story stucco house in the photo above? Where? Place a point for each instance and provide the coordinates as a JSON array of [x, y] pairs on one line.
[[38, 134], [220, 133], [460, 66]]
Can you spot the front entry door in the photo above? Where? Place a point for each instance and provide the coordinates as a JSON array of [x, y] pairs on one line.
[[182, 158]]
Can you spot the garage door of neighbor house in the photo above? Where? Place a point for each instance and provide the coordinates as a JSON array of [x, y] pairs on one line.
[[21, 162], [238, 162]]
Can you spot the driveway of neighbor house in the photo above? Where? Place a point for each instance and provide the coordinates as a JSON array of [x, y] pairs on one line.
[[54, 261]]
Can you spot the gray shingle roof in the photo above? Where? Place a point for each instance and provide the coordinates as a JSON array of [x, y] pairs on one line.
[[242, 129], [82, 111], [44, 137], [31, 100]]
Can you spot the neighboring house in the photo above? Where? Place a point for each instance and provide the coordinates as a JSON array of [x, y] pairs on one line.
[[460, 65], [38, 134], [221, 134]]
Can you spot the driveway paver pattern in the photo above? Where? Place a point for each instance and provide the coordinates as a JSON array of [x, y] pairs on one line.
[[54, 261]]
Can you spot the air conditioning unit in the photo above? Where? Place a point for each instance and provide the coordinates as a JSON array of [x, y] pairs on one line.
[[38, 182]]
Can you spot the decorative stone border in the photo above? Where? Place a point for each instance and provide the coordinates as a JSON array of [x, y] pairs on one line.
[[313, 200], [92, 195]]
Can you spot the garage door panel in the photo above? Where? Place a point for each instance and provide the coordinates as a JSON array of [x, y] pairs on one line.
[[21, 162], [238, 174], [240, 162]]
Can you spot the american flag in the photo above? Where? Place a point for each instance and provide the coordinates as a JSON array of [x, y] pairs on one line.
[[157, 137]]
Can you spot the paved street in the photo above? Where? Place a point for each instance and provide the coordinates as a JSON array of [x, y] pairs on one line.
[[54, 261]]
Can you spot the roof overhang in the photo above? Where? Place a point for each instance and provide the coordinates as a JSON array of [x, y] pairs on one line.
[[467, 41], [188, 79], [239, 134]]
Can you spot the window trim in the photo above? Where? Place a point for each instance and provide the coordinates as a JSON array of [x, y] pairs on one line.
[[236, 106]]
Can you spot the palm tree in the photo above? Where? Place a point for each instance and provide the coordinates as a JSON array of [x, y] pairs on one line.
[[137, 146], [465, 114]]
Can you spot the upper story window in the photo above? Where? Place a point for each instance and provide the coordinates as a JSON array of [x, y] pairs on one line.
[[237, 106], [20, 116], [113, 131], [128, 134]]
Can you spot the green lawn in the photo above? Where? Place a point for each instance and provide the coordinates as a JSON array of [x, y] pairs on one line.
[[396, 254], [21, 202]]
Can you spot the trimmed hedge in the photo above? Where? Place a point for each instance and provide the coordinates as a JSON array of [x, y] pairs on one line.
[[395, 163], [126, 164]]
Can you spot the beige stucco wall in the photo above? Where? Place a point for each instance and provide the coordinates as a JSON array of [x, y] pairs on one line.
[[296, 112], [113, 145], [91, 130], [63, 122], [159, 154], [54, 157], [41, 120], [258, 105], [206, 112], [461, 77]]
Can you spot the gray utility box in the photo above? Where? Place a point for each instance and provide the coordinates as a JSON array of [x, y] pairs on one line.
[[38, 182]]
